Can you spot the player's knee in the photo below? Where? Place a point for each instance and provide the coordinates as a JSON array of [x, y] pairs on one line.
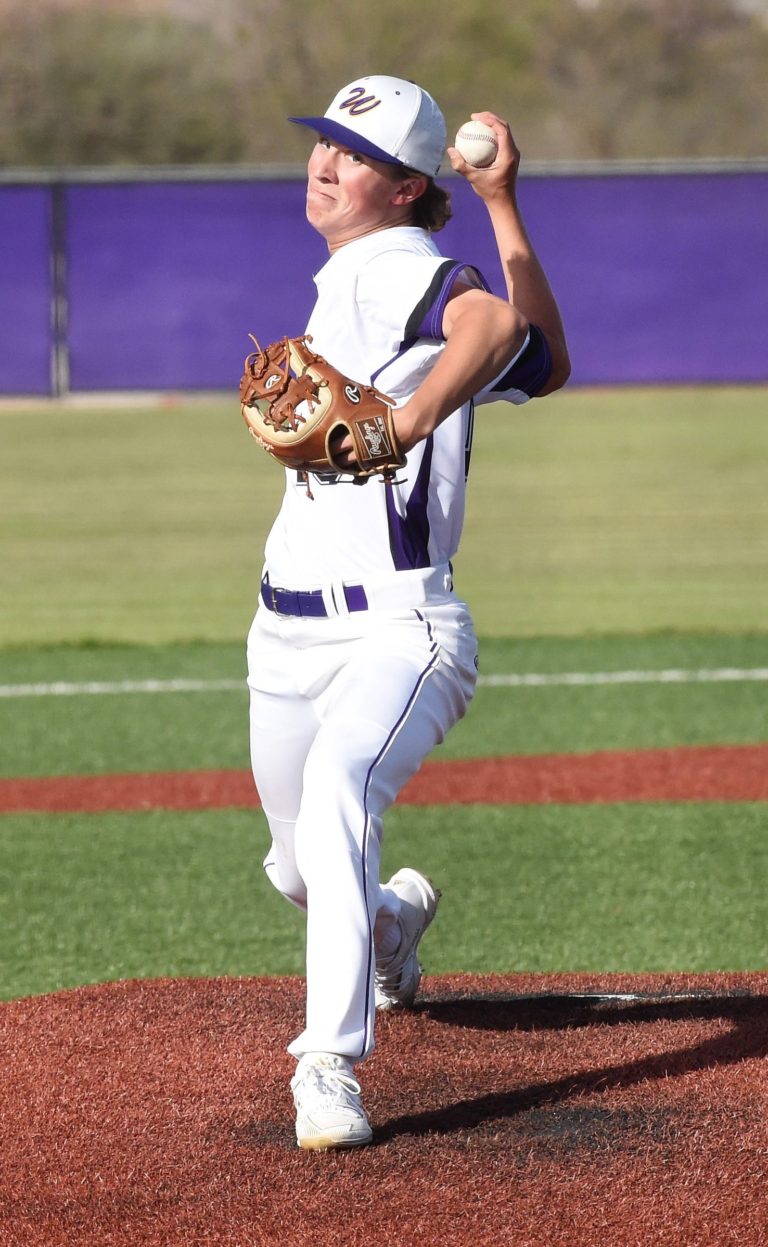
[[283, 874]]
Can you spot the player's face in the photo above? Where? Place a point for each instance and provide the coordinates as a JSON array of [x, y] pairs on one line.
[[349, 195]]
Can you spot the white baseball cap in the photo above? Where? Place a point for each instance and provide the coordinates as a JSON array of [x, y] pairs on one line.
[[388, 119]]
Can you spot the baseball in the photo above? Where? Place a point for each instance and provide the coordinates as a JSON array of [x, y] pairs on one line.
[[477, 143]]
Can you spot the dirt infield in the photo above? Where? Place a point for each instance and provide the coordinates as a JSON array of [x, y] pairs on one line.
[[566, 1111], [700, 773]]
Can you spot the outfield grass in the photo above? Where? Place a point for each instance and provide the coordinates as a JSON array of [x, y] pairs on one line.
[[600, 888], [592, 511], [616, 512]]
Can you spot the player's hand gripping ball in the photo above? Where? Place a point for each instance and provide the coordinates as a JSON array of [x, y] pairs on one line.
[[477, 143]]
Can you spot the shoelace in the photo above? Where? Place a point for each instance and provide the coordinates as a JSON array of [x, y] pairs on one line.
[[388, 979], [390, 973], [333, 1084]]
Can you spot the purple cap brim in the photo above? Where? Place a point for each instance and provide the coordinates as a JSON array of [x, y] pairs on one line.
[[347, 138]]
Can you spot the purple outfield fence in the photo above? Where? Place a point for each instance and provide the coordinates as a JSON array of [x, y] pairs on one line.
[[115, 285], [25, 290], [659, 278], [167, 280]]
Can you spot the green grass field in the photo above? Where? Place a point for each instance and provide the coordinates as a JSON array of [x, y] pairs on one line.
[[589, 512], [606, 532]]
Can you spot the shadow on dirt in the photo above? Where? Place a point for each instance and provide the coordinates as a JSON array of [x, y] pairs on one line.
[[746, 1038]]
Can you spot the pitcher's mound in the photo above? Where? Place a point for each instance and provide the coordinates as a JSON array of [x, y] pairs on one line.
[[558, 1111]]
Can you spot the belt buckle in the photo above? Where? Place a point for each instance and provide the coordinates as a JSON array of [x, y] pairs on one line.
[[273, 598]]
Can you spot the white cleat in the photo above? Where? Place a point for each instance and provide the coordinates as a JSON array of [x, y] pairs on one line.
[[398, 977], [329, 1113]]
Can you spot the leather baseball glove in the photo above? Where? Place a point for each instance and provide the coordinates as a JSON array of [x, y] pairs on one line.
[[294, 403]]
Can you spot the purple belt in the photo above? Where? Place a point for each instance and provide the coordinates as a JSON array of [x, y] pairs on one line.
[[308, 603]]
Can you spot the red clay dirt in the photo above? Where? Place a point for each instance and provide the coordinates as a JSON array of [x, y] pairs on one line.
[[523, 1111], [697, 773]]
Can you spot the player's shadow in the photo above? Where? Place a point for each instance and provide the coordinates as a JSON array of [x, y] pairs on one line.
[[746, 1038]]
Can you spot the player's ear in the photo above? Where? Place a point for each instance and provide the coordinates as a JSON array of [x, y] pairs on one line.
[[410, 188]]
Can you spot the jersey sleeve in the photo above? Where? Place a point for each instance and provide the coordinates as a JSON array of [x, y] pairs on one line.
[[405, 295], [427, 318], [525, 375]]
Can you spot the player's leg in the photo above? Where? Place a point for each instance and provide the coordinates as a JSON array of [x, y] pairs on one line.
[[378, 719], [283, 724]]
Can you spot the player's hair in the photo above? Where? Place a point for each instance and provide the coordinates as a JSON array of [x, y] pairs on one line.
[[432, 210]]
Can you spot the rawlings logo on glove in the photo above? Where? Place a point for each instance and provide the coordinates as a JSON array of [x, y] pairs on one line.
[[294, 402]]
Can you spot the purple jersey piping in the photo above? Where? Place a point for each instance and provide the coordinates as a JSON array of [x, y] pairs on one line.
[[409, 534], [422, 312], [423, 675], [469, 439], [431, 325]]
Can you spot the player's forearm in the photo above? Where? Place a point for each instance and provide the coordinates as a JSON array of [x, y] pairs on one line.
[[481, 342], [528, 288]]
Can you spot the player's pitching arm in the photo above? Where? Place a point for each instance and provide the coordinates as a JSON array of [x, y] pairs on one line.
[[484, 333], [528, 288]]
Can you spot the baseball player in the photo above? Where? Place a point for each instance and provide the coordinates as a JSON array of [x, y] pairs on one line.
[[361, 655]]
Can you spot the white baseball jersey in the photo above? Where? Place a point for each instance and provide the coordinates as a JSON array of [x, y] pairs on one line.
[[378, 319]]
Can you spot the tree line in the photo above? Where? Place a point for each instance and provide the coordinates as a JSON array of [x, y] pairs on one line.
[[148, 82]]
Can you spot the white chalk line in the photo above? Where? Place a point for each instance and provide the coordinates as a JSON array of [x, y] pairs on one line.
[[716, 675], [63, 688]]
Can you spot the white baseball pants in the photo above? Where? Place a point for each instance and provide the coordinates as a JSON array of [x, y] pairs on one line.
[[343, 710]]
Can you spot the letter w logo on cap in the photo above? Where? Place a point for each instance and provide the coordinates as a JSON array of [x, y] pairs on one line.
[[359, 102]]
